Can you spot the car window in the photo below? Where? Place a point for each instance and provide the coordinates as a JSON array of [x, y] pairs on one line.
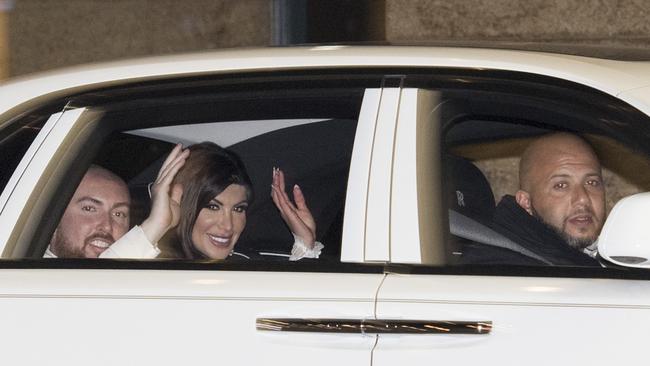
[[15, 139], [303, 127], [314, 153], [485, 128]]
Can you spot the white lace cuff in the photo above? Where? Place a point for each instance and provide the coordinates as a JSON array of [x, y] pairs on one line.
[[300, 249], [133, 245]]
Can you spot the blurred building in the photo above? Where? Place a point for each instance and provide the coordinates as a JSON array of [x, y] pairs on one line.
[[36, 35]]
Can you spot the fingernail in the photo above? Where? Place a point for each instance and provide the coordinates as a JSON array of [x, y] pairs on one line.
[[296, 187]]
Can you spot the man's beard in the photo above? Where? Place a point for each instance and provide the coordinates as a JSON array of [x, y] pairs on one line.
[[576, 243], [62, 247]]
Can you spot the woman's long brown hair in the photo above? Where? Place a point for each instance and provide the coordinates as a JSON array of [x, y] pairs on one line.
[[208, 171]]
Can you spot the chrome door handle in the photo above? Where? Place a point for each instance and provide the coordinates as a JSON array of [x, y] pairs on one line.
[[373, 326]]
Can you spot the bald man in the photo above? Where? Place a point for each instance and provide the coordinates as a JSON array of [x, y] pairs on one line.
[[559, 209], [561, 184]]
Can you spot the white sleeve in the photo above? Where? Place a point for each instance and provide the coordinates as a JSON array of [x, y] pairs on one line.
[[133, 244], [300, 249]]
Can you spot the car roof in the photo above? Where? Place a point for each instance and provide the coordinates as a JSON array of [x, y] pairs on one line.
[[603, 51], [609, 76]]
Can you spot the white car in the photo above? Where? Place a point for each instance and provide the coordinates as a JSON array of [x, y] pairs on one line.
[[365, 131]]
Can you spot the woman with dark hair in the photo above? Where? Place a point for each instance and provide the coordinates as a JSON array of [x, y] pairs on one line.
[[216, 194], [204, 191]]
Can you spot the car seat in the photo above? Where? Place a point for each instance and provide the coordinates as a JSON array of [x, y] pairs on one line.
[[469, 191], [471, 207]]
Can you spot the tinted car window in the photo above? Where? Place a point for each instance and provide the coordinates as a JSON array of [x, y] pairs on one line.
[[15, 139], [307, 131], [485, 119], [483, 142]]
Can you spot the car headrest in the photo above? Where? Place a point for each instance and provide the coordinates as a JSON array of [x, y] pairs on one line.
[[140, 202], [469, 192]]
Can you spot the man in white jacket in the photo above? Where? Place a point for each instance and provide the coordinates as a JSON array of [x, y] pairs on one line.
[[96, 221], [98, 216]]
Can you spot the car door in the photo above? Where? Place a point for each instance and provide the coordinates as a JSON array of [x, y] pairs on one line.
[[175, 312], [431, 310], [510, 320], [168, 315]]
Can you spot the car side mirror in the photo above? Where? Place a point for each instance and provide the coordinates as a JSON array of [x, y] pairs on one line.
[[625, 237]]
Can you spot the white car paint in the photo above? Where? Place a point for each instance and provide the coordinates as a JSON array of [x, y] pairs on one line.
[[141, 317], [378, 207], [30, 170], [639, 98], [612, 77], [27, 158], [81, 316], [415, 134], [536, 321], [358, 179]]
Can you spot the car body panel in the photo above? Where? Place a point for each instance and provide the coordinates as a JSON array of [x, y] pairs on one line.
[[169, 317], [27, 158], [25, 179], [394, 219], [415, 210], [638, 97], [531, 317], [379, 181], [611, 77], [354, 227]]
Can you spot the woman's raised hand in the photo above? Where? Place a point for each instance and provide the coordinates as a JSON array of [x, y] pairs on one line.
[[298, 217], [165, 206]]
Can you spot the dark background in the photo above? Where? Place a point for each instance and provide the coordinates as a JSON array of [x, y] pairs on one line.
[[37, 35]]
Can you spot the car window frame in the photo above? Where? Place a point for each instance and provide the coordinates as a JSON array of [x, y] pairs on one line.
[[455, 109], [94, 111]]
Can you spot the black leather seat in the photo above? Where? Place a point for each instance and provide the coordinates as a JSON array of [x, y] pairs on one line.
[[469, 192], [471, 208]]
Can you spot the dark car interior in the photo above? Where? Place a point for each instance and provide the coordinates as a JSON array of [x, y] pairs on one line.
[[315, 155], [482, 150], [484, 119]]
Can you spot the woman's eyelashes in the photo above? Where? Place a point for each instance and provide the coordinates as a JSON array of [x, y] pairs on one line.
[[241, 208], [216, 206], [213, 207]]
